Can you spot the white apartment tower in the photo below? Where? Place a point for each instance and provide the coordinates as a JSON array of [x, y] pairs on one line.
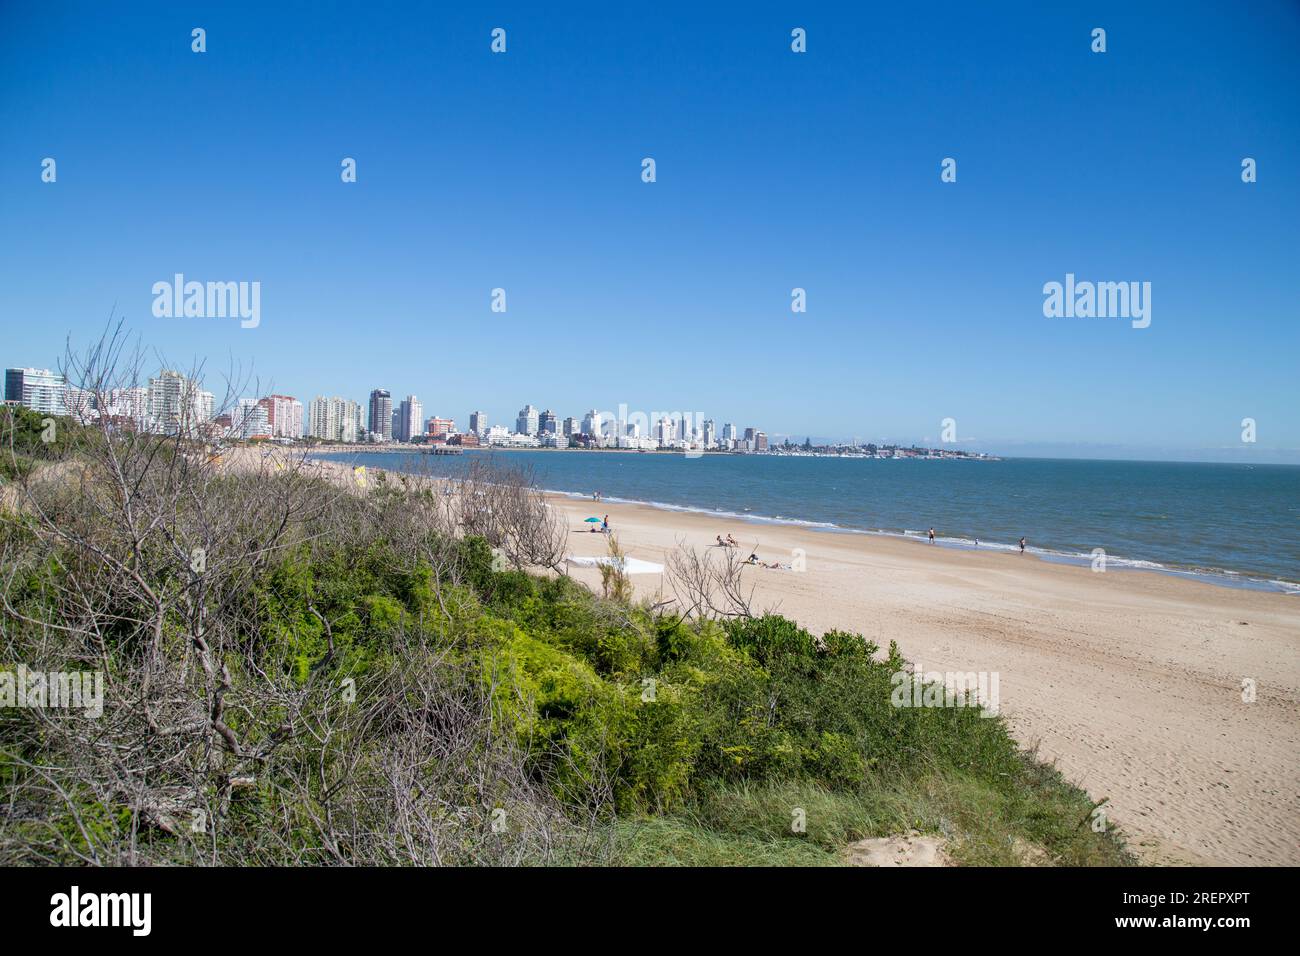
[[526, 423], [335, 420], [36, 388], [410, 419], [176, 404]]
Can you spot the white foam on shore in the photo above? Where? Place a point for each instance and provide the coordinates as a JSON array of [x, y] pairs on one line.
[[1216, 576]]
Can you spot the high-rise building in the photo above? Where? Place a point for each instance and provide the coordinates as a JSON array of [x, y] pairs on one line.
[[165, 393], [478, 423], [750, 433], [710, 437], [283, 415], [320, 423], [176, 404], [335, 420], [381, 414], [127, 407], [663, 431], [526, 423], [548, 423], [591, 423], [729, 432], [760, 441], [248, 419], [79, 403], [409, 418], [572, 427], [36, 388], [351, 422], [205, 406]]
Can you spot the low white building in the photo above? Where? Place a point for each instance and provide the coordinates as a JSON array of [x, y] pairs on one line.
[[499, 437]]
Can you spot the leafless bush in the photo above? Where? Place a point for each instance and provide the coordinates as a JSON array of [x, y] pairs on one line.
[[615, 583], [709, 584], [503, 505]]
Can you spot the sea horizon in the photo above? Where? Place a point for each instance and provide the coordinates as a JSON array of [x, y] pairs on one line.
[[970, 454]]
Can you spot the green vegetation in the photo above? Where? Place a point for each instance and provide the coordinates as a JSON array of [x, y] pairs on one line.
[[28, 438], [345, 678]]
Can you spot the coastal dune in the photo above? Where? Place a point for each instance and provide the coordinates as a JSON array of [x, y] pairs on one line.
[[1131, 681]]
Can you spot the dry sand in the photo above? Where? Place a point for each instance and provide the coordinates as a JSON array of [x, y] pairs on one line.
[[1131, 681]]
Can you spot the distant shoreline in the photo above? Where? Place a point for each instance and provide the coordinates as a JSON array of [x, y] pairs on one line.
[[414, 449]]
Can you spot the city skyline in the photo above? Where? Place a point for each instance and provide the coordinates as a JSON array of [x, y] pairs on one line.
[[350, 422], [172, 400]]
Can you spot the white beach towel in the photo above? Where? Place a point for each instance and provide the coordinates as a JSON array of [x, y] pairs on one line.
[[629, 565]]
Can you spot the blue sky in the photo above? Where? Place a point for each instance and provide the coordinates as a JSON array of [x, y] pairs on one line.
[[775, 170]]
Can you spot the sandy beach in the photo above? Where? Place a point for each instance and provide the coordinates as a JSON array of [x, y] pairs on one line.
[[1130, 681]]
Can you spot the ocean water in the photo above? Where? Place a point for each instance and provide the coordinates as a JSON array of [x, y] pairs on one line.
[[1231, 524]]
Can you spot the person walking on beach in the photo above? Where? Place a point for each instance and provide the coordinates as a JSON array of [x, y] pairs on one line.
[[604, 525], [1022, 544], [932, 536]]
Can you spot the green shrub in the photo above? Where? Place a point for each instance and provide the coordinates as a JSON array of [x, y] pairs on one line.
[[702, 737]]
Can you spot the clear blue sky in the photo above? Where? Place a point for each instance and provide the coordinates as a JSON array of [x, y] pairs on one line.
[[775, 170]]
